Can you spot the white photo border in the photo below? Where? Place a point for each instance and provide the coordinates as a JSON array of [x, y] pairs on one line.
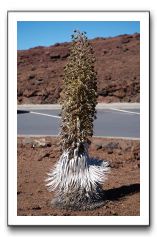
[[143, 17]]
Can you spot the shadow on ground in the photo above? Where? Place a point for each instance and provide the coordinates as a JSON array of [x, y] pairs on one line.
[[22, 111], [117, 193]]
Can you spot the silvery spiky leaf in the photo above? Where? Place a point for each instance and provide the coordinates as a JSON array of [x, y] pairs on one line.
[[77, 181]]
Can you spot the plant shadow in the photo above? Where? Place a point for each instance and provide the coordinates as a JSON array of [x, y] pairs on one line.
[[117, 193], [22, 111]]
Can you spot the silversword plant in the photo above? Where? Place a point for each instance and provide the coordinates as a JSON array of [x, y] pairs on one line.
[[76, 178]]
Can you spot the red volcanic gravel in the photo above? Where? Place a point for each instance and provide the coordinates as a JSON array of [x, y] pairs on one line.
[[36, 156]]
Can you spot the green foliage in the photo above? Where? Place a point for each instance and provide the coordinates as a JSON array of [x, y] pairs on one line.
[[79, 97]]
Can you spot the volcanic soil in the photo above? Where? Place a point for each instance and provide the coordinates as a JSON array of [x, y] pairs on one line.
[[36, 156]]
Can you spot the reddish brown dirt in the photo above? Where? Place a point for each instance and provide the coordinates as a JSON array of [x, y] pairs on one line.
[[40, 70], [122, 188]]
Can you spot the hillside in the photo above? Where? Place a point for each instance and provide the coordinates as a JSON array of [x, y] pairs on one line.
[[40, 70]]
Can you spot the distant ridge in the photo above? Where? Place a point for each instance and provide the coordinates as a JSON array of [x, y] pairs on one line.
[[40, 70]]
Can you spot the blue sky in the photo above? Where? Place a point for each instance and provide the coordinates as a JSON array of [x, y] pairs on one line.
[[45, 33]]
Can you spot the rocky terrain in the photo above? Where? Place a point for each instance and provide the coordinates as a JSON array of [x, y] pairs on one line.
[[36, 156], [40, 70]]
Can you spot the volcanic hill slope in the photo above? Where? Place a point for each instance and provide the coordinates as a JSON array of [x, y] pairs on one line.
[[40, 70]]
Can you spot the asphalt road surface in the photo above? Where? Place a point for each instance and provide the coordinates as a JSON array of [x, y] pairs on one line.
[[109, 123]]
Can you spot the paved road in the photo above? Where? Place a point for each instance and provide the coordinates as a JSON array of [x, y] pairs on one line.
[[110, 122]]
